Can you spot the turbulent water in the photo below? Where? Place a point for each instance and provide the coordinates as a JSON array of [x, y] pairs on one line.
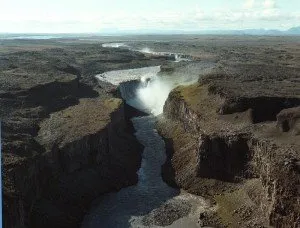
[[114, 45], [153, 93], [150, 203], [177, 56], [148, 91], [116, 77]]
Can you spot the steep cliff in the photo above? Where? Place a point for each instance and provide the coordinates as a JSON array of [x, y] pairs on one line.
[[66, 140], [250, 169], [87, 152]]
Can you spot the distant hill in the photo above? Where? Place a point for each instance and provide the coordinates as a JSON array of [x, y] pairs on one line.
[[257, 32], [294, 31]]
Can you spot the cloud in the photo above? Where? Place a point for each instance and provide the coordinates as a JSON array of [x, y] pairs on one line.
[[252, 14], [257, 4], [269, 4], [249, 4]]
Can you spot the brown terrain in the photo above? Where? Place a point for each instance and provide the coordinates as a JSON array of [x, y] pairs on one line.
[[233, 137], [66, 138]]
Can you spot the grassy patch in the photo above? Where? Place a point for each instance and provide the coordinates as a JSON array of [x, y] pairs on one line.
[[236, 208], [113, 103]]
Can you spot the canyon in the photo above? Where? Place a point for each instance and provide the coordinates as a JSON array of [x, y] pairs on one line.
[[196, 130]]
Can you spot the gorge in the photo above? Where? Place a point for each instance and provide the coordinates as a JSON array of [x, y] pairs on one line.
[[147, 90], [208, 137]]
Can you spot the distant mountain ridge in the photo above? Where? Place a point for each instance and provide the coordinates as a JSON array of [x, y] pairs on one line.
[[269, 32], [294, 31]]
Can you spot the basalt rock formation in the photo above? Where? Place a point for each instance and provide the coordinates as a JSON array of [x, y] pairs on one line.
[[223, 143], [66, 138]]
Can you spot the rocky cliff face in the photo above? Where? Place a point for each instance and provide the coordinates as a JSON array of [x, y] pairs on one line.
[[250, 169], [93, 154], [86, 152], [66, 140]]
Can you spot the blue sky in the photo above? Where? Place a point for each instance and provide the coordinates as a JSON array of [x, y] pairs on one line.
[[64, 16]]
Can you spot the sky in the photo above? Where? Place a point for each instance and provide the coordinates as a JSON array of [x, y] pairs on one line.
[[93, 16]]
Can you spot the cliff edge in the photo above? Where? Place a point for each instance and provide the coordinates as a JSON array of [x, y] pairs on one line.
[[66, 137], [234, 137]]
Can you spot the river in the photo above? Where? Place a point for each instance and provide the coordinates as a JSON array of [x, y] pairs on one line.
[[151, 202]]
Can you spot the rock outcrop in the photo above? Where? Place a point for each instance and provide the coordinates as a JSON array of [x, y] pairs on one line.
[[289, 120], [223, 143]]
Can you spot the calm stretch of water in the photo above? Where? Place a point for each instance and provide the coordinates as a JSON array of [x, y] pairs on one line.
[[123, 209], [139, 205]]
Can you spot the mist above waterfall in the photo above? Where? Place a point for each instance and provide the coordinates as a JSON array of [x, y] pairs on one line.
[[154, 94]]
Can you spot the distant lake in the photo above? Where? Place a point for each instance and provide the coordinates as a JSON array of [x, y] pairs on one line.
[[31, 36]]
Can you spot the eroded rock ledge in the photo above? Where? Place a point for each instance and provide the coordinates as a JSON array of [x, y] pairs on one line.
[[237, 157]]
